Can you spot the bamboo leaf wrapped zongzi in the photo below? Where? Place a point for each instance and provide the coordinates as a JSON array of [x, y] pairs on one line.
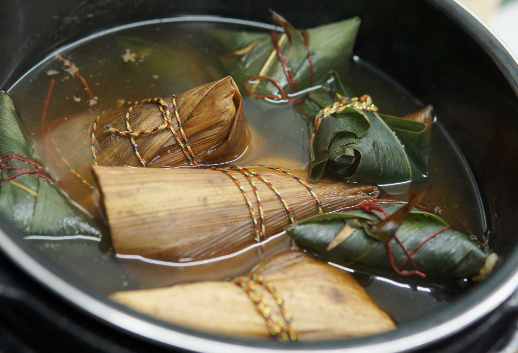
[[428, 245], [352, 140], [292, 61], [28, 196]]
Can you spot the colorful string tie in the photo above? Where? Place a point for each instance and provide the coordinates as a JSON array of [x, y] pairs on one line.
[[259, 223], [370, 206], [64, 160], [167, 124], [363, 103], [282, 329]]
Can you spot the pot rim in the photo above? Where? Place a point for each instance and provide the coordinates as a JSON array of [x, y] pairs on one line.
[[481, 301]]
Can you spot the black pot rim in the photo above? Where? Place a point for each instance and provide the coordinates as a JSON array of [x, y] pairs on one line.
[[481, 301]]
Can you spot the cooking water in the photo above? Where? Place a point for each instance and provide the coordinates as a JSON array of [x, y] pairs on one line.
[[161, 58]]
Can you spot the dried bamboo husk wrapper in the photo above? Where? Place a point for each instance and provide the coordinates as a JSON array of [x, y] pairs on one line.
[[158, 274], [195, 214], [326, 303], [211, 117]]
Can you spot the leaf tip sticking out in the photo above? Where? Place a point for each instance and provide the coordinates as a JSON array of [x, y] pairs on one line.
[[388, 227], [278, 19], [288, 27], [341, 236], [424, 116]]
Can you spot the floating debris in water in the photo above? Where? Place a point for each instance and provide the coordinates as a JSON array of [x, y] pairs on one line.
[[72, 70], [128, 56], [93, 101]]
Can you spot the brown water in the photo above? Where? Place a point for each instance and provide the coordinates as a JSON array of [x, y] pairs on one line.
[[163, 58]]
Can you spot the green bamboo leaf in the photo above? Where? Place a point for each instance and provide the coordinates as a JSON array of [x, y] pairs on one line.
[[448, 255], [414, 137], [295, 53], [330, 45], [387, 228], [349, 121], [13, 137], [30, 202], [388, 149]]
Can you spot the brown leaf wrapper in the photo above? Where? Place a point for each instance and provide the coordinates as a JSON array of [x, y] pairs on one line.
[[212, 118], [326, 303], [211, 115], [197, 214]]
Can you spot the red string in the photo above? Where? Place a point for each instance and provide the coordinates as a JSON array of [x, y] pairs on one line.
[[18, 157], [42, 172], [35, 172], [287, 70], [394, 267], [10, 167], [382, 201], [83, 81], [424, 242], [81, 78], [43, 115], [405, 250], [272, 96], [46, 132], [370, 208], [282, 59]]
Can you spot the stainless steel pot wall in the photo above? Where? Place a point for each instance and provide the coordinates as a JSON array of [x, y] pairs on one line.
[[435, 48]]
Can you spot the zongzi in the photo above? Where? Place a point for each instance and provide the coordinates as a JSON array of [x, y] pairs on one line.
[[424, 245], [170, 214], [28, 194], [270, 64], [318, 302], [352, 140], [202, 125]]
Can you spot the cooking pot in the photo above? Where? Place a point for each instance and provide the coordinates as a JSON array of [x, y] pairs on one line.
[[437, 49]]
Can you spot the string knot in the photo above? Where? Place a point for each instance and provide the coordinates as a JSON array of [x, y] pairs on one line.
[[167, 124]]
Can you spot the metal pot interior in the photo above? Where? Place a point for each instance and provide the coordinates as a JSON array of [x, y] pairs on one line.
[[435, 49]]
